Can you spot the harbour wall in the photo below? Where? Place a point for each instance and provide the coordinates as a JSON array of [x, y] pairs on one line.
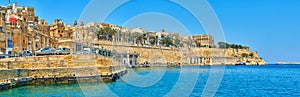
[[217, 56], [11, 78], [22, 71]]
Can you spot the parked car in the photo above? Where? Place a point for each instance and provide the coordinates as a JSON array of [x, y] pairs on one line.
[[45, 51], [26, 53], [62, 51]]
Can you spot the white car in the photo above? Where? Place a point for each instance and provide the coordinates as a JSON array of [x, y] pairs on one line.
[[62, 51], [45, 51]]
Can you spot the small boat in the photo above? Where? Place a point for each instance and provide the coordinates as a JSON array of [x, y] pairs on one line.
[[240, 63]]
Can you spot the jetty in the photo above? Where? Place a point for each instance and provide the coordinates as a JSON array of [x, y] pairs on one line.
[[288, 63], [15, 72]]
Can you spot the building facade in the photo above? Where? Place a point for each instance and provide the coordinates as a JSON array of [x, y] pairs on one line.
[[21, 30], [204, 40]]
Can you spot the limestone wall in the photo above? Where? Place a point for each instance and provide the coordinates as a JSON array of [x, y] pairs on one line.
[[54, 62], [157, 54], [58, 72]]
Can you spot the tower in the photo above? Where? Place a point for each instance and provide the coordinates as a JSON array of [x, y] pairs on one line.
[[75, 23], [9, 5]]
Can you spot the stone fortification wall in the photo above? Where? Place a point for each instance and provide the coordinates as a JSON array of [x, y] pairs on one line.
[[58, 72], [151, 54], [41, 62]]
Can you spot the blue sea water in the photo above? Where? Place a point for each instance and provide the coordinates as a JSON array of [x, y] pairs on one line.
[[271, 80]]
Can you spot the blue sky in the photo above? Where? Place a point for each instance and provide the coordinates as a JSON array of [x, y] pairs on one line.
[[271, 27]]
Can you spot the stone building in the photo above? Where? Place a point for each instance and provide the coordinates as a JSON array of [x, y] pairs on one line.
[[42, 38], [21, 30], [204, 40], [85, 35], [3, 38], [187, 41], [138, 30], [44, 26], [57, 29], [61, 31], [17, 22], [80, 34], [112, 26]]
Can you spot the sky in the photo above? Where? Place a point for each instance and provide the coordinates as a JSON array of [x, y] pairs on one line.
[[271, 27]]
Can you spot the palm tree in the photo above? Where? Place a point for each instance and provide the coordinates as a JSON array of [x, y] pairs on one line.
[[111, 33], [167, 41], [153, 40], [141, 39], [106, 33], [245, 55], [101, 34], [177, 42], [133, 37]]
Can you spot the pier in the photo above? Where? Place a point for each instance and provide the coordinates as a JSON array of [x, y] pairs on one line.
[[15, 72], [288, 63]]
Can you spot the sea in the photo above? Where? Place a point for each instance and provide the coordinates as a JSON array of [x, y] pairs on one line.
[[186, 81]]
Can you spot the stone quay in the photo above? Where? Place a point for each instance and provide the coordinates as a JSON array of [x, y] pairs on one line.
[[15, 72]]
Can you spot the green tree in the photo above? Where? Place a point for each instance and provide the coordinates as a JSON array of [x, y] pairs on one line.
[[245, 55], [222, 45], [251, 55], [240, 46], [198, 44], [133, 37], [236, 46], [102, 34], [167, 41], [106, 33], [140, 39], [177, 42], [153, 40], [228, 45]]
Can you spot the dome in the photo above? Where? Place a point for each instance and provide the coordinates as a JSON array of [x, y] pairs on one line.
[[9, 6]]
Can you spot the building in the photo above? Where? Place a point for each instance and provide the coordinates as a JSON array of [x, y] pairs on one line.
[[60, 31], [151, 38], [85, 35], [44, 26], [57, 29], [187, 41], [21, 30], [137, 30], [112, 26], [16, 27], [204, 40], [160, 36], [3, 38]]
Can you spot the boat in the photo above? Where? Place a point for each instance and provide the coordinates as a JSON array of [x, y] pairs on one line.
[[240, 63]]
